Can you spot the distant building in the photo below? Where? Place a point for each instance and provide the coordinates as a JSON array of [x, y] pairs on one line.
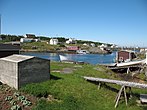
[[125, 56], [73, 48], [1, 38], [71, 41], [19, 70], [54, 41], [85, 44], [24, 40], [92, 44], [113, 46], [8, 49], [103, 47], [30, 36]]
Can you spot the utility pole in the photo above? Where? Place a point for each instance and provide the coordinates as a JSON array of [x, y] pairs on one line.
[[0, 26]]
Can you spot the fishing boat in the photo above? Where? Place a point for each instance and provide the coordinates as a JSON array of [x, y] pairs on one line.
[[65, 59], [82, 52]]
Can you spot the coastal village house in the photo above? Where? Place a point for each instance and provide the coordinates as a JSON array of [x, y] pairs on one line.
[[53, 41], [29, 38], [73, 48], [125, 55], [19, 70], [92, 45], [103, 47], [71, 41], [8, 49]]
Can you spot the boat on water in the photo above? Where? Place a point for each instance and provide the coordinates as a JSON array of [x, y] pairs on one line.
[[67, 60], [82, 52]]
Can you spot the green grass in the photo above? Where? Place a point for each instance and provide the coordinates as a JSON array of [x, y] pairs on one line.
[[72, 92]]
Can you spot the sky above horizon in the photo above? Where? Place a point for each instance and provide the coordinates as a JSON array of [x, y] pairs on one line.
[[122, 22]]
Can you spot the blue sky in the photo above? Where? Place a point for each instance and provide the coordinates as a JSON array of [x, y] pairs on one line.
[[122, 22]]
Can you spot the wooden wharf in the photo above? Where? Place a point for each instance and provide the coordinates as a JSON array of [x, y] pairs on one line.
[[123, 85]]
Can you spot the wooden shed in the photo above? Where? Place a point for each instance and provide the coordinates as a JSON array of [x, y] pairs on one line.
[[19, 70], [73, 48], [125, 55], [8, 49]]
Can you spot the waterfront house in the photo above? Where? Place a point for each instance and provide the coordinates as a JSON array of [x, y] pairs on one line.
[[24, 40], [19, 70], [85, 44], [29, 38], [125, 56], [103, 47], [8, 49], [71, 41], [73, 48], [53, 41], [92, 44]]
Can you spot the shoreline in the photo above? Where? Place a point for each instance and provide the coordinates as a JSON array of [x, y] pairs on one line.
[[54, 51]]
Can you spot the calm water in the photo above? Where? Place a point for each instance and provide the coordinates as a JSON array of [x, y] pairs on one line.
[[90, 58]]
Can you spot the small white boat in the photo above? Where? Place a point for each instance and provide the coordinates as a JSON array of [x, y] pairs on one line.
[[82, 52], [63, 58], [130, 63]]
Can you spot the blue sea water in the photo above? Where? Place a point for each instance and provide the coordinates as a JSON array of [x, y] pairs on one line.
[[89, 58]]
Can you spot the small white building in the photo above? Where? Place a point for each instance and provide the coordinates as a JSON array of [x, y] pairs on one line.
[[1, 38], [54, 41], [85, 44], [92, 44], [113, 46], [24, 40], [71, 41], [103, 46]]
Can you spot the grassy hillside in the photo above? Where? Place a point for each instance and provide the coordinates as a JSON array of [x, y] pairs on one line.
[[67, 90]]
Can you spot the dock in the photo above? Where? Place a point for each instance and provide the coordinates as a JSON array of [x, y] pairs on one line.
[[122, 90]]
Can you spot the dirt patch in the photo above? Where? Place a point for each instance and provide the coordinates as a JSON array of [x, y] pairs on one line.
[[67, 71], [128, 77], [8, 99]]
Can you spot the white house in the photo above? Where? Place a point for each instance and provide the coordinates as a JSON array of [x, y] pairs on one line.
[[23, 40], [103, 46], [71, 41], [92, 44], [85, 44], [0, 38], [113, 46], [54, 41]]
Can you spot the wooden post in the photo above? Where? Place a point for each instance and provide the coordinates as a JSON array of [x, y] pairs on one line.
[[128, 70], [119, 95], [125, 95], [130, 92], [99, 85]]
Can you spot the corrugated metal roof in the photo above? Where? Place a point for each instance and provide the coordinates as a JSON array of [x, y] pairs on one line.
[[17, 58], [130, 51]]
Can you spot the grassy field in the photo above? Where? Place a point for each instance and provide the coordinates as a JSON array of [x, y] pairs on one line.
[[67, 90]]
